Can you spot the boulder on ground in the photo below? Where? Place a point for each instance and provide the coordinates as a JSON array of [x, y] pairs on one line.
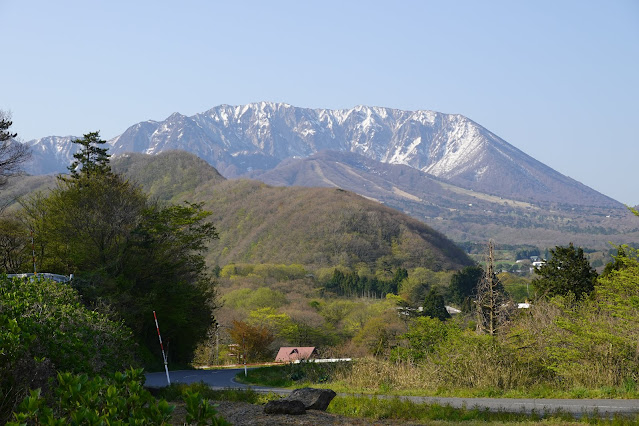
[[313, 399], [284, 406]]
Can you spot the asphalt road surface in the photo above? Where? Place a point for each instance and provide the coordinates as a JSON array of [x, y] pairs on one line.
[[224, 379], [216, 379]]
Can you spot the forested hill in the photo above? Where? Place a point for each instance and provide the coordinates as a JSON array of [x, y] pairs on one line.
[[311, 226], [319, 226], [168, 175]]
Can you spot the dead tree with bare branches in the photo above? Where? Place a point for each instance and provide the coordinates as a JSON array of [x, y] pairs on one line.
[[493, 307]]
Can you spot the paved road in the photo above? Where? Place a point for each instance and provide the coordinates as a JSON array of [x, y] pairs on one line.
[[216, 379], [223, 379]]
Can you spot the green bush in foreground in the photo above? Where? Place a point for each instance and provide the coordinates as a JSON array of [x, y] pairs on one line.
[[81, 400], [118, 399], [43, 329]]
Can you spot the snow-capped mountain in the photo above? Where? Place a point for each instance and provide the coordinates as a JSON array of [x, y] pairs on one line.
[[52, 154], [238, 140]]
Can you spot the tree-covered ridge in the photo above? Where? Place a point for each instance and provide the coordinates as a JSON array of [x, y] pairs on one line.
[[171, 175], [318, 227], [311, 226]]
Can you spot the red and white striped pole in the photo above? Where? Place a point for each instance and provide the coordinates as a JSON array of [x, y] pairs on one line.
[[166, 366], [33, 253]]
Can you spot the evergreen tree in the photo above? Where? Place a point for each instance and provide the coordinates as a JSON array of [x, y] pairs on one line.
[[5, 123], [91, 159], [567, 271], [434, 306], [463, 285], [12, 153], [400, 275]]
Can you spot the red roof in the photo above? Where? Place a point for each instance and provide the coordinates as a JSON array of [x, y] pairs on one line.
[[288, 354]]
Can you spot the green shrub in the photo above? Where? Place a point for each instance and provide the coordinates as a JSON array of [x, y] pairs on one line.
[[423, 336], [81, 400], [118, 399], [44, 328], [199, 411]]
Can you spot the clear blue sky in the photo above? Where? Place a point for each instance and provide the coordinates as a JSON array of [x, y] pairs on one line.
[[557, 79]]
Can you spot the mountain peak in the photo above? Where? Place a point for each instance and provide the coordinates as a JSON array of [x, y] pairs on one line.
[[257, 136], [176, 116]]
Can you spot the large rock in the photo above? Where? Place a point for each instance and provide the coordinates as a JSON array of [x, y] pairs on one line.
[[284, 406], [313, 399]]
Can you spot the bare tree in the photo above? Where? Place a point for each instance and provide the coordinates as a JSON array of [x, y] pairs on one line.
[[12, 152], [493, 307]]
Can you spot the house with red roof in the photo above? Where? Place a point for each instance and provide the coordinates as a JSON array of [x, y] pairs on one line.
[[295, 354]]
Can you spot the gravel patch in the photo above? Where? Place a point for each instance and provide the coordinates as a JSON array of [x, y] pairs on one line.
[[243, 413]]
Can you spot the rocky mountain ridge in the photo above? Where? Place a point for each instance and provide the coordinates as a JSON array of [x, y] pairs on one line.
[[242, 140]]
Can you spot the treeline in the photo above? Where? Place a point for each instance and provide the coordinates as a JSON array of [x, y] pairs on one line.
[[527, 253], [265, 270], [351, 284]]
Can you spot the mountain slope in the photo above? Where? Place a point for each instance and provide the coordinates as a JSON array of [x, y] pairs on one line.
[[319, 227], [258, 223], [461, 214], [51, 154], [238, 140]]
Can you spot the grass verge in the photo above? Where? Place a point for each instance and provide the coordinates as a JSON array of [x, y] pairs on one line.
[[293, 375], [174, 393], [402, 410]]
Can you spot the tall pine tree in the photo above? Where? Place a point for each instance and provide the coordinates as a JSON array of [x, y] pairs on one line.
[[91, 159], [5, 123]]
